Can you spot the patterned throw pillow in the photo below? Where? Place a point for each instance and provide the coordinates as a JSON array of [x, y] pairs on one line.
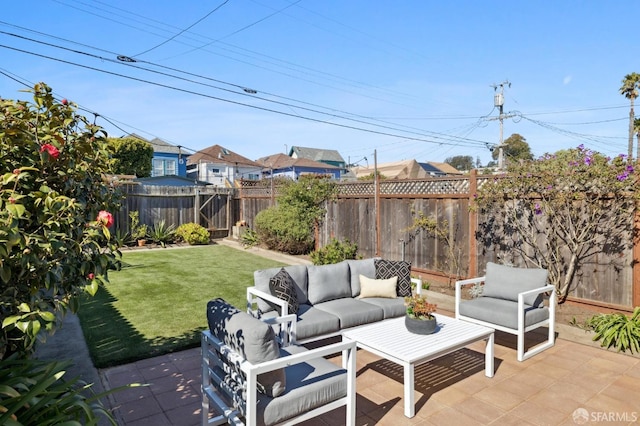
[[282, 286], [395, 268]]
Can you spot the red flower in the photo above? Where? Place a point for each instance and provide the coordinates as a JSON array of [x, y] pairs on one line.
[[105, 218], [16, 171], [51, 150], [91, 276]]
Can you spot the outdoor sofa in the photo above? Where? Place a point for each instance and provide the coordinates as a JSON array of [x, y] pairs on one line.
[[327, 299]]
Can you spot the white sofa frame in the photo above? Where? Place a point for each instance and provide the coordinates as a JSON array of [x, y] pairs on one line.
[[288, 330], [246, 374], [521, 330]]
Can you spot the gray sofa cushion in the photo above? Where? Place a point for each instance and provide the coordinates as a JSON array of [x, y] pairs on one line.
[[352, 312], [502, 312], [297, 272], [328, 282], [250, 337], [282, 286], [315, 322], [395, 268], [366, 267], [505, 282], [309, 385], [392, 308]]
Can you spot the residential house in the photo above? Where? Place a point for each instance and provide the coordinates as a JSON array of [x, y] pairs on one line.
[[406, 169], [222, 167], [440, 169], [327, 156], [283, 165], [168, 160]]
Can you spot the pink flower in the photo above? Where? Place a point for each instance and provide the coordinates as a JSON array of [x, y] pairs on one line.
[[51, 150], [105, 218], [91, 276]]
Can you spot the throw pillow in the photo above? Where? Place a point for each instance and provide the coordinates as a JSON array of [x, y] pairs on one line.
[[398, 268], [370, 287], [282, 286]]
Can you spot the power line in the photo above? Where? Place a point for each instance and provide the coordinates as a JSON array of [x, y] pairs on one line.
[[252, 93], [184, 30], [228, 100]]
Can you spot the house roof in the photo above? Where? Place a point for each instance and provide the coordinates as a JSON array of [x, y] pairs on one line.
[[407, 169], [281, 161], [219, 155], [316, 154], [171, 180], [161, 146], [446, 168]]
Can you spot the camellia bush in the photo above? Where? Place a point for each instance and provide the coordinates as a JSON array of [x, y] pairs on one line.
[[55, 214], [559, 211]]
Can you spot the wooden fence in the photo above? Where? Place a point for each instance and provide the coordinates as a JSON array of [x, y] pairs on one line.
[[213, 208], [377, 217]]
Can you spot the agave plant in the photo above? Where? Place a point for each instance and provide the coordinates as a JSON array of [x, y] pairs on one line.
[[161, 233]]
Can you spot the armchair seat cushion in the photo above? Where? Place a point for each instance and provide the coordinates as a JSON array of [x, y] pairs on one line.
[[309, 385], [502, 312], [352, 312]]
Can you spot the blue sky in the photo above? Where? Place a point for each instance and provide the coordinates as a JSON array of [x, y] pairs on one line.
[[406, 79]]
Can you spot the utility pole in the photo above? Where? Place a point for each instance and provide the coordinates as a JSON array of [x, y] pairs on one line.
[[498, 101]]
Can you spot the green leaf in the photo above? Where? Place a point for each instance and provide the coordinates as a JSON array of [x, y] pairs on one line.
[[47, 316], [5, 273], [16, 210], [92, 288], [10, 320], [23, 307]]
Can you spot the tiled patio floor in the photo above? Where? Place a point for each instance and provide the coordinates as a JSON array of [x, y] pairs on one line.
[[544, 390]]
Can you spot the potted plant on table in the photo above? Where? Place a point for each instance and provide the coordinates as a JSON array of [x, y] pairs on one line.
[[420, 318]]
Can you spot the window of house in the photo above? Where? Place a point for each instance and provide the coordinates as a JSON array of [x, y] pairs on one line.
[[164, 167]]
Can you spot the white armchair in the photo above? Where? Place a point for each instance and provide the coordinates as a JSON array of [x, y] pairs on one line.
[[248, 379], [512, 300]]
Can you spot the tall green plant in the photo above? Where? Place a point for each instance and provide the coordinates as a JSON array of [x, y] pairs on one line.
[[289, 225], [54, 215], [131, 156], [559, 211]]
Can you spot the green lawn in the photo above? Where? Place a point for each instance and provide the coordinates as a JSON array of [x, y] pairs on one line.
[[157, 302]]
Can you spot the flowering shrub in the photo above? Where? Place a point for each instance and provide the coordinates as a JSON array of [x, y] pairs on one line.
[[54, 215], [559, 211]]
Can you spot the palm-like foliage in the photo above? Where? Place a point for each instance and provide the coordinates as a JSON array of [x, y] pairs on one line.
[[629, 88]]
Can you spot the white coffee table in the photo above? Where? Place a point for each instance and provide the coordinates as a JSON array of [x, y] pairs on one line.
[[390, 340]]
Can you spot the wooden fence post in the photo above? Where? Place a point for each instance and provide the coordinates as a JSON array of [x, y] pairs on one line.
[[473, 224]]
